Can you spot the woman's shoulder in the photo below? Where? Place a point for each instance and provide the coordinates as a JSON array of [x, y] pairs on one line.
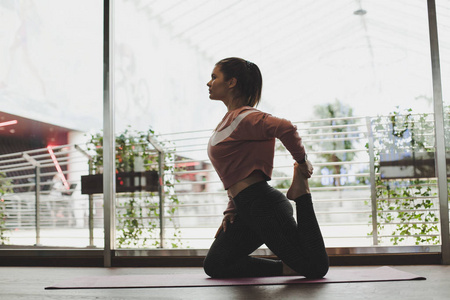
[[238, 115], [247, 113], [248, 110], [245, 109]]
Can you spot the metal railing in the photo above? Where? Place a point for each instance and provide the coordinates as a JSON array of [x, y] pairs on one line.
[[43, 203], [346, 187]]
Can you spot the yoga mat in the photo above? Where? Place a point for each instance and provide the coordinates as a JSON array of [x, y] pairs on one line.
[[335, 275]]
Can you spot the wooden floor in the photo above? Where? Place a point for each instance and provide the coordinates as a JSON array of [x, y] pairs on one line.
[[29, 282]]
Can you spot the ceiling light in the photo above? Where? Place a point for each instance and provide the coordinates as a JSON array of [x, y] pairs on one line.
[[360, 12]]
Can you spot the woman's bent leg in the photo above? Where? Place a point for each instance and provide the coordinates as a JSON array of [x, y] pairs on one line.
[[229, 254], [309, 232], [308, 227], [300, 245]]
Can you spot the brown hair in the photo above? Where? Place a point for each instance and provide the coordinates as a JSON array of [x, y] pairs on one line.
[[248, 77]]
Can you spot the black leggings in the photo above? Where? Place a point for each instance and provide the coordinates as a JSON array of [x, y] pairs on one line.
[[265, 216]]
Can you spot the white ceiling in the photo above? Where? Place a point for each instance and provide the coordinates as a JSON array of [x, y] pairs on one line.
[[316, 49]]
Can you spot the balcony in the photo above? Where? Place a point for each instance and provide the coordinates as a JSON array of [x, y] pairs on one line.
[[360, 210]]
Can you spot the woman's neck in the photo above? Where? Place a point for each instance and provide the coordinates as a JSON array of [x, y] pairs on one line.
[[234, 104]]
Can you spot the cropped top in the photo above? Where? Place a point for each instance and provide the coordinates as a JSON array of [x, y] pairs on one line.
[[245, 141]]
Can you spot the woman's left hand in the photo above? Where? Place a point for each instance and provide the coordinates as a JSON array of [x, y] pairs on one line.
[[227, 218]]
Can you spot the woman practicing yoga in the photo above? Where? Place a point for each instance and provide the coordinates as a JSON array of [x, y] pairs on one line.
[[242, 152]]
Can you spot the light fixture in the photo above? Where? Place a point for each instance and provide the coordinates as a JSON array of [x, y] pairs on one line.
[[58, 167], [360, 12], [8, 123]]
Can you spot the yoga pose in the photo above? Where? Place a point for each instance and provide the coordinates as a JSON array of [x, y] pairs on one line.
[[241, 150]]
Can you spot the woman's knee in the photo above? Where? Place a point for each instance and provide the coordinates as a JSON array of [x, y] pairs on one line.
[[318, 270], [212, 267], [311, 269], [317, 273]]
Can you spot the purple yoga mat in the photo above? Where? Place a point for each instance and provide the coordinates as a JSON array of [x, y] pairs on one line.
[[335, 275]]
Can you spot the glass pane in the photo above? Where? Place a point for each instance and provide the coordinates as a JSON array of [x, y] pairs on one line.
[[51, 95], [325, 67], [443, 19]]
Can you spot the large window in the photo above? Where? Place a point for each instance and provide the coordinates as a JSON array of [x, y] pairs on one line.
[[51, 96], [336, 62], [354, 76]]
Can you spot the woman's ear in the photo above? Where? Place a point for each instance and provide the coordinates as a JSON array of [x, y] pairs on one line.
[[232, 82]]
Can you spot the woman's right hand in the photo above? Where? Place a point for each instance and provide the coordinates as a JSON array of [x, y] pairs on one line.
[[305, 168], [227, 218]]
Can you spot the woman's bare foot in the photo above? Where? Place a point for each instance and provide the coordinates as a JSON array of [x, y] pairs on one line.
[[287, 271], [299, 184]]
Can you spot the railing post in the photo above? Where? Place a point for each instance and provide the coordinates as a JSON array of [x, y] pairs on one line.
[[161, 198], [91, 212], [37, 189], [373, 187], [91, 199], [161, 158], [38, 204]]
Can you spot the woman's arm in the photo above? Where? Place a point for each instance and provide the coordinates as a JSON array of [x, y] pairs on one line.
[[286, 132], [231, 208], [228, 216]]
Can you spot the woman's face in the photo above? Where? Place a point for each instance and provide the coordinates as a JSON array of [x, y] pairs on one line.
[[219, 88]]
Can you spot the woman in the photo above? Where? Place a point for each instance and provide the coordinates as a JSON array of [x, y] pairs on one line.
[[242, 151]]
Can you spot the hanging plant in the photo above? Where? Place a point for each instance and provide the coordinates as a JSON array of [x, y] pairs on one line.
[[138, 212], [405, 207]]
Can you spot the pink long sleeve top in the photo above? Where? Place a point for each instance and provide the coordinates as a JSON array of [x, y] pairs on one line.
[[245, 141]]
